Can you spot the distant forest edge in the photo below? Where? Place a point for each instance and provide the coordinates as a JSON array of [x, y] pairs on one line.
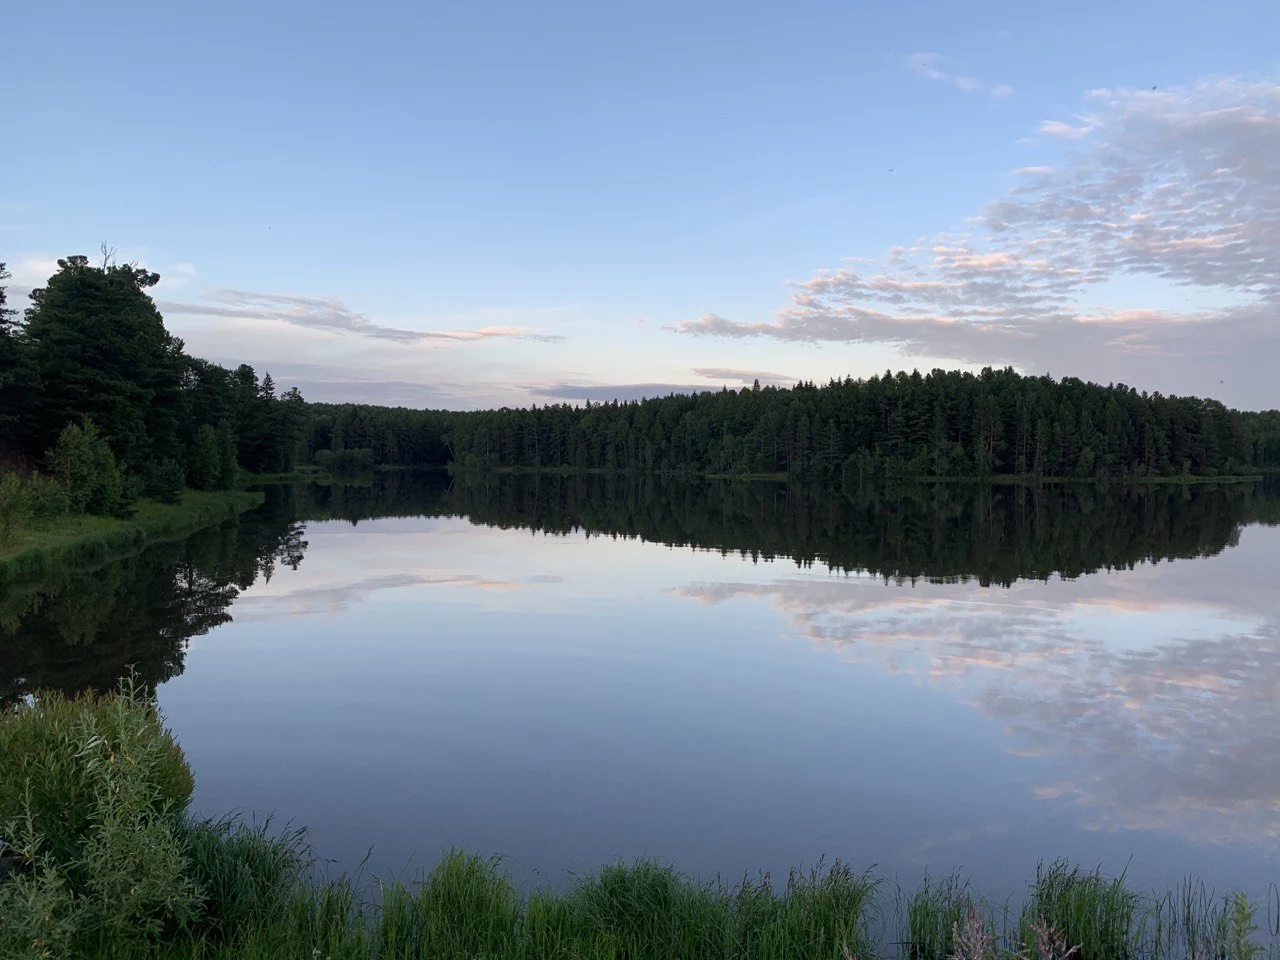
[[996, 423], [92, 347]]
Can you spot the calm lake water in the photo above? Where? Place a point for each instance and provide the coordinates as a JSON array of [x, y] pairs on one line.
[[728, 677]]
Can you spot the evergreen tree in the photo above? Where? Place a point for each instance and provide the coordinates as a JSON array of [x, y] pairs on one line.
[[101, 350]]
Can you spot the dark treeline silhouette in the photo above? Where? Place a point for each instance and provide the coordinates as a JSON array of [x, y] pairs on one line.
[[944, 424], [92, 345], [84, 630], [393, 436]]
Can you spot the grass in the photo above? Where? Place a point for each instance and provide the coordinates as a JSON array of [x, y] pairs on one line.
[[29, 551], [101, 860]]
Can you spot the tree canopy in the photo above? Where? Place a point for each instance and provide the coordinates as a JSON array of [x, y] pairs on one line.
[[92, 349]]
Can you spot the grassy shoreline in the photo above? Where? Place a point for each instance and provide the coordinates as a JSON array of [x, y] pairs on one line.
[[83, 540], [99, 858]]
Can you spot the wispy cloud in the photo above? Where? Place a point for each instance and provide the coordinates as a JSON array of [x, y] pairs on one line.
[[744, 377], [943, 69], [332, 315], [607, 392], [1179, 189]]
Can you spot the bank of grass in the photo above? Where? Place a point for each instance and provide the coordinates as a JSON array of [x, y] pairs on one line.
[[99, 859], [33, 547]]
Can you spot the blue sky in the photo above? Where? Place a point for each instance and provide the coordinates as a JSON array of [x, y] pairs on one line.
[[509, 203]]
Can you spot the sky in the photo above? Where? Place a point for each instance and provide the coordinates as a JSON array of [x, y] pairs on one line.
[[472, 205]]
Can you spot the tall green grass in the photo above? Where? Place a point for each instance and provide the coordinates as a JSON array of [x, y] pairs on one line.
[[101, 860]]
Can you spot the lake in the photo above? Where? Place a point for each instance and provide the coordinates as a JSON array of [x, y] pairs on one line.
[[726, 676]]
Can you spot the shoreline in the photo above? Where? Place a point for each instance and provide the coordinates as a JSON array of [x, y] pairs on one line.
[[998, 480], [84, 540]]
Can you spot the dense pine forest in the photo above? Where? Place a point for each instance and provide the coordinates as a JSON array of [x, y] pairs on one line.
[[943, 424], [95, 390]]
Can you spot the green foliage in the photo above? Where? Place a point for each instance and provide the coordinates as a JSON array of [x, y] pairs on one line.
[[936, 911], [951, 424], [228, 466], [63, 759], [94, 345], [84, 465], [1236, 930], [244, 874], [1090, 911], [93, 795], [165, 482], [204, 468], [100, 348], [345, 462]]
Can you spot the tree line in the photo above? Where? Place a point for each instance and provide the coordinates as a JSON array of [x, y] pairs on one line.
[[945, 424], [95, 389], [941, 424]]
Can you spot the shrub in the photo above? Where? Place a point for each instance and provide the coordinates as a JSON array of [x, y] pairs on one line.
[[91, 803], [61, 755], [165, 481], [87, 470], [45, 497]]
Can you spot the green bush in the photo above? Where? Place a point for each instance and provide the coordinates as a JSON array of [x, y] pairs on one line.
[[87, 471], [22, 499], [62, 756], [165, 481], [91, 804], [45, 497]]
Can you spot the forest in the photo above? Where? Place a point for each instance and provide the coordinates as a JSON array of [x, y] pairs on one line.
[[95, 390], [945, 424]]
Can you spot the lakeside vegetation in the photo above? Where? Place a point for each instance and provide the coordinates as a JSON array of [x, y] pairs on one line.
[[31, 549], [97, 393], [100, 857]]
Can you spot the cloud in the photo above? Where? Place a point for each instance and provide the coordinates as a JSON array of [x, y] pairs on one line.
[[606, 392], [329, 384], [744, 377], [332, 315], [1174, 194], [935, 66]]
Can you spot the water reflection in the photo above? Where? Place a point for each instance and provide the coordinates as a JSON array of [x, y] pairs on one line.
[[519, 666], [85, 629], [1153, 696]]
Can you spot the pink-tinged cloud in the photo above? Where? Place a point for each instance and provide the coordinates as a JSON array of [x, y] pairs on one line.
[[1178, 188]]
